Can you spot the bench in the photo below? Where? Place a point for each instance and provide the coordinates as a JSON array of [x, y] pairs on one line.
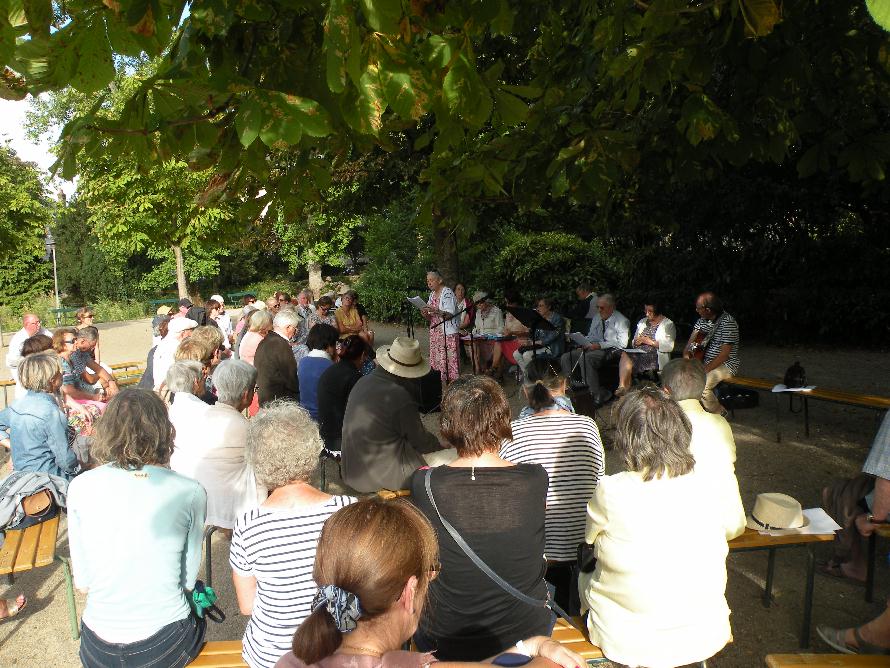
[[573, 639], [128, 373], [59, 313], [233, 297], [154, 303], [825, 660], [871, 401], [34, 547], [220, 654], [752, 540]]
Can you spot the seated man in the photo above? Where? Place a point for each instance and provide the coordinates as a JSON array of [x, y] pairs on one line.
[[584, 311], [85, 366], [712, 443], [274, 361], [489, 322], [714, 340], [608, 334], [383, 436]]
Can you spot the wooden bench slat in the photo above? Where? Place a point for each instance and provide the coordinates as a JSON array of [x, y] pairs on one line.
[[825, 660], [46, 546], [9, 551], [570, 637], [24, 561], [220, 654], [753, 539]]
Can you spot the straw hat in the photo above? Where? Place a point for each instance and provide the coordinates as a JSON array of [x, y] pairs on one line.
[[403, 358], [773, 510]]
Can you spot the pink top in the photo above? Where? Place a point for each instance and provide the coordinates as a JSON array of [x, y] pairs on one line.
[[247, 349], [395, 659]]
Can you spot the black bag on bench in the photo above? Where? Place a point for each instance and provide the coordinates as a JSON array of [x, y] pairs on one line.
[[734, 397]]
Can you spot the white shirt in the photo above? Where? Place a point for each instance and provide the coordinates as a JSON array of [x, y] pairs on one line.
[[211, 447], [489, 323], [225, 326], [14, 354], [447, 303], [613, 332], [163, 359], [665, 337]]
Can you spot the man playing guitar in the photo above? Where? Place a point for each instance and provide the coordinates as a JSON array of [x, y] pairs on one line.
[[714, 341]]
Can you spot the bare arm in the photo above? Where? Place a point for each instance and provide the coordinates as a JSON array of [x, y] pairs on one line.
[[245, 592]]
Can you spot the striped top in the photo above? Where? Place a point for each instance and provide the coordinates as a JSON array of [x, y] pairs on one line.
[[277, 547], [727, 332], [568, 446]]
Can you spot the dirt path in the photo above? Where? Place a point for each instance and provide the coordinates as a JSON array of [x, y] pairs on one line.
[[839, 441]]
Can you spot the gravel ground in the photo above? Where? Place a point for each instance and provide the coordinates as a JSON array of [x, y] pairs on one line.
[[839, 440]]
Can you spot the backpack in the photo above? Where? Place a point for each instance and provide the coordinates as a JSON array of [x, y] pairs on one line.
[[795, 376]]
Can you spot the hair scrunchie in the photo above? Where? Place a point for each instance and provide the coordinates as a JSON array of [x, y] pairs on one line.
[[343, 606]]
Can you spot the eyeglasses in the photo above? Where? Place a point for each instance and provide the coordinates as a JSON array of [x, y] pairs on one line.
[[68, 340]]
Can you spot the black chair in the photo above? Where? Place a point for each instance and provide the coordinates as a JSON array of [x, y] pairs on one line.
[[333, 455]]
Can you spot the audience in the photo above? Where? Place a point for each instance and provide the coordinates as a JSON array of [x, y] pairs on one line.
[[134, 531], [35, 423], [374, 565], [350, 319], [275, 363], [334, 387], [147, 381], [179, 329], [546, 343], [30, 326], [85, 318], [223, 321], [584, 310], [73, 386], [84, 364], [212, 448], [259, 326], [322, 313], [568, 446], [654, 600], [383, 436], [273, 545], [491, 503], [655, 334], [322, 342], [543, 373]]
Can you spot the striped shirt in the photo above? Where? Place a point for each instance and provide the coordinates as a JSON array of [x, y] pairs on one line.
[[727, 332], [277, 547], [568, 446]]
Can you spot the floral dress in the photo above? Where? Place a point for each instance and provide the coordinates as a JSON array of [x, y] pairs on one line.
[[444, 345], [648, 360]]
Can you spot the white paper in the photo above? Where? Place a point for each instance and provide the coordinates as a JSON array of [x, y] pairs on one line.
[[579, 338], [781, 387], [633, 350], [418, 302], [820, 523]]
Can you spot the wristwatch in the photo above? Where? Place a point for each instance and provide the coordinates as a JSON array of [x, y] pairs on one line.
[[874, 520]]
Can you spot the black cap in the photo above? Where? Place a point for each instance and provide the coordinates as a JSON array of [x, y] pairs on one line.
[[185, 302]]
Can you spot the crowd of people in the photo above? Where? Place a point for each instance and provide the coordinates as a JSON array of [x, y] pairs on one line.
[[229, 425]]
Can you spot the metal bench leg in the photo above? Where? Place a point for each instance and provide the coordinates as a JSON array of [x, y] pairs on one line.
[[208, 555], [808, 597], [870, 567], [69, 591], [770, 570]]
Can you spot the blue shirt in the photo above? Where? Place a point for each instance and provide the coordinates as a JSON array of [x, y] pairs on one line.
[[135, 540], [38, 432], [560, 401], [309, 371]]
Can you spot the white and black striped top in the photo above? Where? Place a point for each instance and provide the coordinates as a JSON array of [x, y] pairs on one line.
[[727, 332], [277, 547], [568, 446]]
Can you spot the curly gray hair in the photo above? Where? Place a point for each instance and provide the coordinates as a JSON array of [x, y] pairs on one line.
[[283, 444]]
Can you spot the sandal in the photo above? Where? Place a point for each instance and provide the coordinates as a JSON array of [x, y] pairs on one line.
[[13, 608], [835, 639], [833, 569]]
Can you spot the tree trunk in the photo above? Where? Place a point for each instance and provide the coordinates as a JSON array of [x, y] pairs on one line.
[[181, 284], [316, 282], [445, 251]]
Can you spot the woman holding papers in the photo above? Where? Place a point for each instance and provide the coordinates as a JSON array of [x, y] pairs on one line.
[[655, 335], [444, 336]]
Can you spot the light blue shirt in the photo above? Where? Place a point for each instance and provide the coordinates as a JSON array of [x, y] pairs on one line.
[[135, 540]]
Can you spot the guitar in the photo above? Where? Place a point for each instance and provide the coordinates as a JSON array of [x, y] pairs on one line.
[[697, 347]]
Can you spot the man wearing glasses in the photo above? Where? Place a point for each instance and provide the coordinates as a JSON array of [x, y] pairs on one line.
[[30, 327], [714, 340]]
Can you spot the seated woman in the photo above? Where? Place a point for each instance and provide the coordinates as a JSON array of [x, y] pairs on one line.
[[259, 325], [73, 385], [334, 387], [655, 600], [374, 564], [548, 343], [322, 343], [569, 448], [492, 503], [350, 319], [273, 546], [512, 327], [35, 424], [135, 528], [655, 334], [322, 313], [86, 318]]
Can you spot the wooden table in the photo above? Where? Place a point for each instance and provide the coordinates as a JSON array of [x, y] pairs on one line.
[[752, 540]]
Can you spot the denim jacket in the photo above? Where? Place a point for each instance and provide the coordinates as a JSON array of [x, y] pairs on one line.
[[38, 431]]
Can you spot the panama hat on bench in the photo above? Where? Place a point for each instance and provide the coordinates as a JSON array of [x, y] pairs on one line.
[[773, 510], [403, 358]]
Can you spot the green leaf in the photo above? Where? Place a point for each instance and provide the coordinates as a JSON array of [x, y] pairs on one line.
[[95, 69], [338, 24], [437, 51], [406, 88], [248, 121], [123, 40], [465, 93], [363, 110], [880, 12], [761, 16], [383, 15], [313, 118], [528, 92], [511, 109], [502, 24], [40, 14]]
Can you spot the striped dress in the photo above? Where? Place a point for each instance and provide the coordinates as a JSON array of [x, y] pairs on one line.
[[277, 547], [568, 446]]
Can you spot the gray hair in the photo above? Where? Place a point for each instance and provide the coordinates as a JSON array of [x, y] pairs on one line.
[[232, 378], [88, 333], [283, 444], [259, 319], [433, 272], [684, 378], [653, 434], [608, 298], [36, 372], [286, 317], [183, 375]]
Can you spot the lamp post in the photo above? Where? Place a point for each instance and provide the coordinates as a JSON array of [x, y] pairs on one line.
[[50, 244]]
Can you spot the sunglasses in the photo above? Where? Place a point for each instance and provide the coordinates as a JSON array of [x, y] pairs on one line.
[[68, 340]]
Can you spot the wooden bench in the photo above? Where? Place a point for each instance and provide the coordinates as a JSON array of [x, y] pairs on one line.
[[752, 540], [128, 373], [825, 660], [6, 384], [871, 401], [220, 654], [573, 639], [34, 547]]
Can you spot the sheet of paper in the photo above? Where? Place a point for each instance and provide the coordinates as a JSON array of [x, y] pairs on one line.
[[579, 338], [633, 350], [781, 387], [418, 302], [820, 523]]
